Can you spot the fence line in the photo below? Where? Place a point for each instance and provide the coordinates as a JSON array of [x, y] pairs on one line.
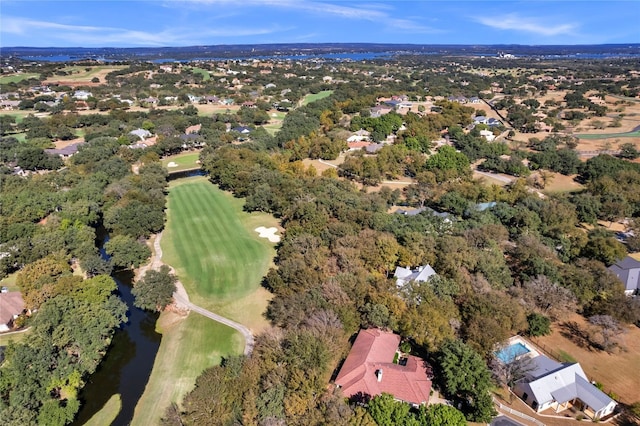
[[517, 413]]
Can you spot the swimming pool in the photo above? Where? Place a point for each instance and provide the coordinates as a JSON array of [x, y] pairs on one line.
[[512, 352]]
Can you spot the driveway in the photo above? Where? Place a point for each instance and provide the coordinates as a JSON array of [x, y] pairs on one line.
[[504, 421]]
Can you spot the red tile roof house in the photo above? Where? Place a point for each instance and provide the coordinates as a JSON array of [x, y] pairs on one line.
[[369, 370]]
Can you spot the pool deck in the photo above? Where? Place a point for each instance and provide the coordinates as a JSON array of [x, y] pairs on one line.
[[533, 350]]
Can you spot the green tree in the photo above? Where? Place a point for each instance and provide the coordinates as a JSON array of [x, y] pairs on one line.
[[386, 411], [605, 249], [126, 253], [155, 290], [466, 378], [447, 164], [441, 415], [629, 151], [539, 325]]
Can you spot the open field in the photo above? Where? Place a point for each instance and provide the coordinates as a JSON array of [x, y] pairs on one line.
[[107, 413], [189, 346], [14, 78], [316, 96], [184, 161], [217, 254], [79, 74], [205, 74], [210, 109], [562, 183], [617, 372]]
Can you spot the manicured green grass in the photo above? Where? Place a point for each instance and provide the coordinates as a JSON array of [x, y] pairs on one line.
[[18, 115], [211, 243], [14, 78], [277, 115], [205, 74], [272, 129], [189, 346], [610, 135], [108, 413], [316, 96], [10, 282], [184, 161], [15, 338]]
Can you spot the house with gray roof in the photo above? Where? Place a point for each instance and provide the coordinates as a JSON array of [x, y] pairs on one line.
[[141, 133], [628, 271], [551, 385], [65, 152], [406, 275]]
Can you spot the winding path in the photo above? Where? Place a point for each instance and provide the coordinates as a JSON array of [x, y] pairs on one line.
[[181, 299]]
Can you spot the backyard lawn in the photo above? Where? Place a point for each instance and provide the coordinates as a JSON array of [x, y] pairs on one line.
[[614, 371], [14, 337]]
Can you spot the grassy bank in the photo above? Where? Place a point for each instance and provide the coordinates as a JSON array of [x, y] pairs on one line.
[[189, 345], [108, 413]]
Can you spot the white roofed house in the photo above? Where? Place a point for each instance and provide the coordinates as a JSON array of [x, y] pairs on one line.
[[82, 95], [556, 386], [141, 133], [550, 387], [405, 275]]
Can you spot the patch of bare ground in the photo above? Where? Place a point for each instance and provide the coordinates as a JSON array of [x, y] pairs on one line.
[[618, 371], [560, 183], [64, 144], [205, 109]]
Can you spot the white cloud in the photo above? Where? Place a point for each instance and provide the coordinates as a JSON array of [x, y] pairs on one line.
[[380, 13], [527, 24], [82, 35], [12, 25]]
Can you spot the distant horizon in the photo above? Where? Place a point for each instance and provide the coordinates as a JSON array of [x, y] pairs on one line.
[[636, 44], [179, 23]]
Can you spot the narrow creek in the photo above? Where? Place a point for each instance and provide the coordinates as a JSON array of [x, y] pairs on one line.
[[127, 366]]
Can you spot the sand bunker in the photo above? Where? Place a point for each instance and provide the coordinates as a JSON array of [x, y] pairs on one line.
[[172, 164], [269, 233]]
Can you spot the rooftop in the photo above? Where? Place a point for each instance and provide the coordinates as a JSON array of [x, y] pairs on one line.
[[369, 369]]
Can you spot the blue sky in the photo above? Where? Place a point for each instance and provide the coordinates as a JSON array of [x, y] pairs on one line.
[[128, 23]]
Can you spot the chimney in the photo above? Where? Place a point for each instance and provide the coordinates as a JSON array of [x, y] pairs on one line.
[[379, 374]]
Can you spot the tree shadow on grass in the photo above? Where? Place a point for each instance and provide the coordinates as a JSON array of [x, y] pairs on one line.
[[578, 335]]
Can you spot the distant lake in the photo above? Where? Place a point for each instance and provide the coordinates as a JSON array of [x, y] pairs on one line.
[[338, 57]]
